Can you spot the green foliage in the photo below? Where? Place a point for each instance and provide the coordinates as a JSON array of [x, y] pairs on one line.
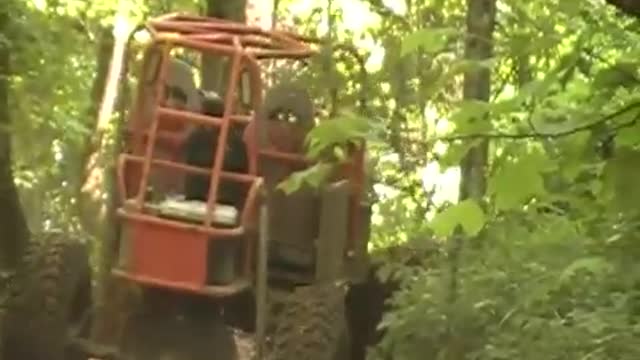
[[620, 177], [329, 143], [466, 214], [595, 265], [53, 101], [314, 176], [546, 269], [429, 40], [525, 171], [341, 131]]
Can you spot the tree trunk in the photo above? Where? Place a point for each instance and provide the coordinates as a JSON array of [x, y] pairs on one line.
[[477, 86], [14, 232], [89, 195], [100, 191], [215, 68]]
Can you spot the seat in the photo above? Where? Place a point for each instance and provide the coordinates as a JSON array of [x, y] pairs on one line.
[[191, 211]]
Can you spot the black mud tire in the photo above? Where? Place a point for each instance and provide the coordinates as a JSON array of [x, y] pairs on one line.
[[49, 297], [312, 325]]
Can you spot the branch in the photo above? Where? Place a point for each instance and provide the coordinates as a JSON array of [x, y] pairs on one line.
[[381, 9], [554, 135]]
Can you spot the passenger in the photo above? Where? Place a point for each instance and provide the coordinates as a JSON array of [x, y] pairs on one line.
[[180, 87], [200, 151], [180, 93]]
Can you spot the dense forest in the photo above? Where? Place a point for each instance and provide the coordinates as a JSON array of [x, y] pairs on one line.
[[503, 139]]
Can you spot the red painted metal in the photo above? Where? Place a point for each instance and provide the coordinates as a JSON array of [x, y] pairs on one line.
[[171, 253], [154, 252], [229, 105], [209, 290], [159, 94]]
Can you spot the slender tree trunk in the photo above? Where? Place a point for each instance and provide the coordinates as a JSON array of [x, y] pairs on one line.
[[89, 192], [112, 299], [215, 68], [477, 86], [14, 232]]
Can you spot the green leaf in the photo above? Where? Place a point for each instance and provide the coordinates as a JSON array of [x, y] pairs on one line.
[[629, 135], [621, 179], [456, 152], [515, 182], [619, 74], [540, 87], [536, 88], [472, 215], [466, 214], [431, 40], [470, 117], [313, 176], [571, 8], [595, 265], [341, 130]]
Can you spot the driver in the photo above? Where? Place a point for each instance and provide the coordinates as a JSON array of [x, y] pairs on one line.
[[201, 140]]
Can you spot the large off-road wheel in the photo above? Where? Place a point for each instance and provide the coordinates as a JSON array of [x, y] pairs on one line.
[[49, 299], [312, 325]]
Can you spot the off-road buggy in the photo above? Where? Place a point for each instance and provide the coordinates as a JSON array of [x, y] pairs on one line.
[[202, 222]]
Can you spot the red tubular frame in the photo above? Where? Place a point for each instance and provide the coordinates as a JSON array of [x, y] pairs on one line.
[[245, 45]]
